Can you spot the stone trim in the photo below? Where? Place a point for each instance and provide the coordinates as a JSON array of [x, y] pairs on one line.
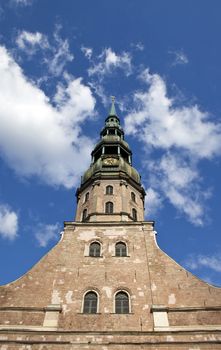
[[155, 308], [187, 329], [119, 175], [160, 316], [50, 318], [53, 307], [22, 328], [52, 315], [161, 321], [22, 308], [193, 328], [109, 223]]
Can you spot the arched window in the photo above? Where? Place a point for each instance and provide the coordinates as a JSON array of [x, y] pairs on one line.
[[90, 303], [121, 303], [134, 214], [109, 208], [109, 189], [120, 249], [133, 197], [86, 197], [95, 249], [84, 215]]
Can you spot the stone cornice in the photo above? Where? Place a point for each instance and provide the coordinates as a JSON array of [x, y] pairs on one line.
[[110, 223]]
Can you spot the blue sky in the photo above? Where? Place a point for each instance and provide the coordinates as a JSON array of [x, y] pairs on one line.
[[60, 61]]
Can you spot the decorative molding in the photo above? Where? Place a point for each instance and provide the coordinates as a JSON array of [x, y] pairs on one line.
[[53, 307], [161, 308], [71, 224], [193, 328]]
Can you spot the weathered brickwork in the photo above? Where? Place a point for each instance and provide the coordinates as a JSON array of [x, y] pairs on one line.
[[121, 199], [169, 307], [166, 306]]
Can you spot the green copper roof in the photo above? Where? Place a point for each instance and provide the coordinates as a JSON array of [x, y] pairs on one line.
[[113, 110]]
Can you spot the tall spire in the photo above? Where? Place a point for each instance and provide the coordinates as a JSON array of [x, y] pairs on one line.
[[113, 110]]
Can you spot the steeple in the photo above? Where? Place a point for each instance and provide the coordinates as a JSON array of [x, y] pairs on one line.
[[111, 166], [113, 110]]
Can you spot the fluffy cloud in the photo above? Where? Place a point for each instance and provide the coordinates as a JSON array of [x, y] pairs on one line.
[[55, 53], [8, 222], [204, 261], [87, 51], [30, 42], [37, 138], [153, 202], [177, 181], [109, 60], [60, 54], [161, 125], [182, 135], [46, 233]]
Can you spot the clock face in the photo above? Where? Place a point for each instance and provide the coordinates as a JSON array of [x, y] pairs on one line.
[[110, 161]]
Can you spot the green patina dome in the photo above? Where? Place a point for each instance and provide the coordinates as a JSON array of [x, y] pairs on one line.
[[111, 156], [98, 168]]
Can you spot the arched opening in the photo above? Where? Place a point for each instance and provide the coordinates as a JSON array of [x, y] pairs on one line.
[[90, 303], [134, 214], [120, 249], [84, 215], [109, 189], [95, 249], [122, 303], [109, 208], [86, 197], [133, 197]]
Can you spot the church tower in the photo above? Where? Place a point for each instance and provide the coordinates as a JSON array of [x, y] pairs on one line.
[[106, 284], [111, 188]]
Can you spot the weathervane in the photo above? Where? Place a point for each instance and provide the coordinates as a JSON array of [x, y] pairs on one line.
[[113, 99]]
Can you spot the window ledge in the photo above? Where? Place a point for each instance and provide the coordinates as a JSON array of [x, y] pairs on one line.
[[84, 313], [116, 256], [114, 313]]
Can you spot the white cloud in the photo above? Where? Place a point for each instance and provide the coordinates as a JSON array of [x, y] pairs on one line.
[[55, 54], [30, 42], [185, 133], [8, 222], [22, 2], [46, 233], [109, 60], [179, 57], [87, 51], [195, 262], [37, 138], [138, 46], [177, 181], [60, 54], [153, 202], [163, 126]]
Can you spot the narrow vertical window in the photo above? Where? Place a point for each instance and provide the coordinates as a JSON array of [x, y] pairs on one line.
[[84, 215], [121, 249], [86, 197], [109, 189], [133, 197], [90, 303], [109, 208], [121, 303], [95, 249], [134, 214]]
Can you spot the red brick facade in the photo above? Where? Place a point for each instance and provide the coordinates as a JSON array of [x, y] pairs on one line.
[[169, 307]]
